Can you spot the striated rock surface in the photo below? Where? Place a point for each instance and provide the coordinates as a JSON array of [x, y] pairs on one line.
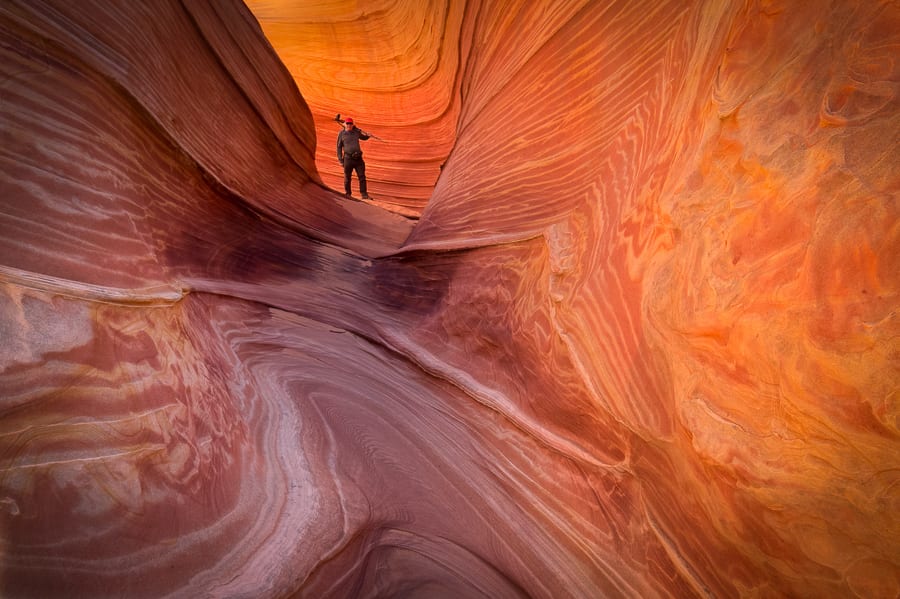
[[642, 340], [395, 67]]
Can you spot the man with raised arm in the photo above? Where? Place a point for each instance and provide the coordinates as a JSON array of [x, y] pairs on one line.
[[350, 155]]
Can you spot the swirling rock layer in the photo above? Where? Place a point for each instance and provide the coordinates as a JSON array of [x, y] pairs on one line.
[[641, 340]]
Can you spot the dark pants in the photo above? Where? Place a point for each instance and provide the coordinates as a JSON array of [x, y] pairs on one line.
[[350, 164]]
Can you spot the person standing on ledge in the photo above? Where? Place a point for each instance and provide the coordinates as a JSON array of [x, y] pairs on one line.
[[350, 155]]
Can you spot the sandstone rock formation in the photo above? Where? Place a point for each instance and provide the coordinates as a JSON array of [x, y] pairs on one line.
[[641, 340]]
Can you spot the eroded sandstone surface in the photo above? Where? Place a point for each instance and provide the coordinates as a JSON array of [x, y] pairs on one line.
[[639, 339]]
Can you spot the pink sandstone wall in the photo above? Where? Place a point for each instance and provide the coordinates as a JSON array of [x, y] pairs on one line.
[[638, 339]]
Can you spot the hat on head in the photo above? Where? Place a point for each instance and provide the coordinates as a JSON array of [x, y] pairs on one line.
[[348, 120]]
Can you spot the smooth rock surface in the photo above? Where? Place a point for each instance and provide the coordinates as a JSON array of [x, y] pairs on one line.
[[640, 341]]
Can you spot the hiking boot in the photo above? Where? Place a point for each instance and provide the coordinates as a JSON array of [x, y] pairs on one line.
[[348, 195], [365, 196]]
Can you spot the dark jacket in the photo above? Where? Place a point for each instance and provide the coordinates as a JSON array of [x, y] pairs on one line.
[[348, 142]]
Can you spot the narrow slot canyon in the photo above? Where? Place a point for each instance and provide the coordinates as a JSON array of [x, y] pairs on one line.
[[619, 319]]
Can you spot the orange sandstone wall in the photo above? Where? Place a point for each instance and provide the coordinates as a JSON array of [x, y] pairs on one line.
[[641, 340], [395, 67]]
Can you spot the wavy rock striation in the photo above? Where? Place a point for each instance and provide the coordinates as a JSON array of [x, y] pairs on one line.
[[641, 340]]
